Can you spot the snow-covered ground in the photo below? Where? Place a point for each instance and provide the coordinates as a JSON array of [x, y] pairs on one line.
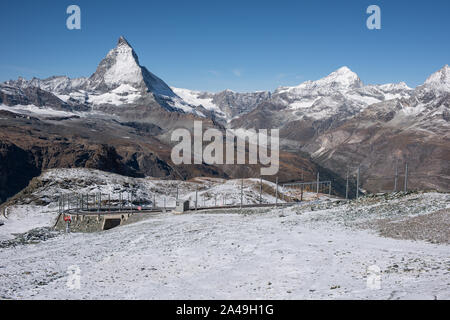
[[39, 206], [310, 251]]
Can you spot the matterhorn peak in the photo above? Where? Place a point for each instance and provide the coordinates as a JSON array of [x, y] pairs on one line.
[[123, 42], [121, 67]]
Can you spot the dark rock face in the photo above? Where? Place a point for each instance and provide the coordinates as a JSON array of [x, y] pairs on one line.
[[147, 128], [16, 169], [19, 165], [31, 145]]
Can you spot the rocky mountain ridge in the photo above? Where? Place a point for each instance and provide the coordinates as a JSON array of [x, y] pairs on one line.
[[335, 121]]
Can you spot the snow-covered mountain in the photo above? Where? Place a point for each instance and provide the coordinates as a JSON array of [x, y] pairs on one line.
[[438, 82], [119, 72], [339, 122], [121, 68], [226, 104], [440, 79], [413, 129], [342, 79], [314, 106], [323, 118], [118, 81], [55, 84], [340, 94]]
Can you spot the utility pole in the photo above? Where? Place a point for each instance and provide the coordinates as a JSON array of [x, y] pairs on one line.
[[177, 193], [396, 176], [317, 190], [357, 182], [406, 177], [242, 191], [346, 187], [260, 189], [276, 193], [196, 198], [301, 186]]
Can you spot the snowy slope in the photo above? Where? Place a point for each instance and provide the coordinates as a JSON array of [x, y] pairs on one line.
[[290, 253], [341, 79], [437, 84], [226, 104], [40, 208], [440, 80], [194, 98]]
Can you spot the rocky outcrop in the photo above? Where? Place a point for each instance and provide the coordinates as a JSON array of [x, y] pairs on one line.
[[16, 169]]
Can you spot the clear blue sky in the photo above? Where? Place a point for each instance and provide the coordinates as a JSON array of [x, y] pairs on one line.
[[241, 45]]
